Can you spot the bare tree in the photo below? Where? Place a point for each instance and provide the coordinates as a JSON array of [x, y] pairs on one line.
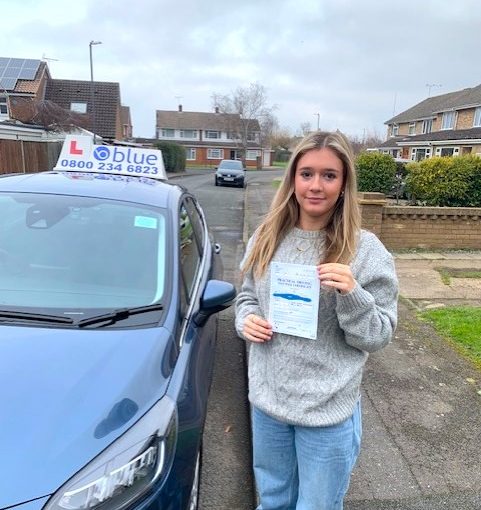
[[282, 139], [254, 114], [49, 115], [368, 140], [305, 128]]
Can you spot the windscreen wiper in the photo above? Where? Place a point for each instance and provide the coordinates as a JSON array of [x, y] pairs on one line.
[[36, 317], [118, 315]]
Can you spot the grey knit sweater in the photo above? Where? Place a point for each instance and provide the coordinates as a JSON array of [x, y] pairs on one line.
[[317, 382]]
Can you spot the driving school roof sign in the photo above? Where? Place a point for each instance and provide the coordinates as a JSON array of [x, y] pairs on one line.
[[79, 154]]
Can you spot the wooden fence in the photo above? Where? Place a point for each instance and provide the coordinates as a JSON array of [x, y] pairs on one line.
[[19, 156]]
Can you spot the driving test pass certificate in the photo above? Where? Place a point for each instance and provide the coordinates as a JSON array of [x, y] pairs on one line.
[[294, 299]]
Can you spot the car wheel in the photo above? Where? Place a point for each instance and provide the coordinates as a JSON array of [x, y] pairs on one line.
[[194, 494], [216, 182]]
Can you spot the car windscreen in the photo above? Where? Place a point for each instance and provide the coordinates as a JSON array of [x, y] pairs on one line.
[[72, 252], [231, 165]]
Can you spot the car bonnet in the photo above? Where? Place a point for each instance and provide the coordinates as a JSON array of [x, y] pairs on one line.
[[67, 394]]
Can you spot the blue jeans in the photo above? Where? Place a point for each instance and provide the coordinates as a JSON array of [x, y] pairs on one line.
[[304, 468]]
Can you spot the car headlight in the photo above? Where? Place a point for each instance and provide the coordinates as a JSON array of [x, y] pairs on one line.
[[127, 468]]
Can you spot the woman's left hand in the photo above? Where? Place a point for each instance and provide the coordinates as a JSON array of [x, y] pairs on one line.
[[337, 276]]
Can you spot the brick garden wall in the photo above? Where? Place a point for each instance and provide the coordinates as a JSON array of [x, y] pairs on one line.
[[401, 227]]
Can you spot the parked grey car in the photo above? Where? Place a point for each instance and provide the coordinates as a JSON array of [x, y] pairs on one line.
[[230, 171]]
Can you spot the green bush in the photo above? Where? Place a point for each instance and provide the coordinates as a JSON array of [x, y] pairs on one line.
[[174, 156], [375, 172], [446, 181]]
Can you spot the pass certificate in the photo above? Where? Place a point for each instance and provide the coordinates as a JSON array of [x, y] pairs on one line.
[[294, 299]]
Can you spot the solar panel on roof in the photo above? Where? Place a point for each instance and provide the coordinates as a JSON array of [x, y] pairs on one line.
[[13, 69], [7, 83], [16, 62]]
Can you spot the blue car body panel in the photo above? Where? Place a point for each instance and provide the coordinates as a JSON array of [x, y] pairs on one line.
[[67, 393]]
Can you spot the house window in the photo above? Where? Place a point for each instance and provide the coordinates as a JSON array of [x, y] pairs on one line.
[[3, 106], [167, 133], [252, 155], [190, 154], [233, 135], [477, 117], [412, 128], [447, 151], [427, 126], [78, 107], [252, 137], [215, 153], [188, 133], [394, 130], [212, 134], [448, 120], [421, 153]]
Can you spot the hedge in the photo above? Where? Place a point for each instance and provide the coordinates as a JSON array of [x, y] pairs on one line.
[[375, 172], [446, 181], [173, 154]]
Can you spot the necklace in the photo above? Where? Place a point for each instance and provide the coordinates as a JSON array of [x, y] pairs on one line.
[[303, 245]]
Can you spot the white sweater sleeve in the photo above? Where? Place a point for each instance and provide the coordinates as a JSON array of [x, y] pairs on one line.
[[368, 314], [246, 301]]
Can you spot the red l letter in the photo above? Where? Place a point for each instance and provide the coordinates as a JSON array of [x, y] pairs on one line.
[[73, 148]]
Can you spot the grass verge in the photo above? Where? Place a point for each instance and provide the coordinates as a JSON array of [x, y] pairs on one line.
[[460, 326]]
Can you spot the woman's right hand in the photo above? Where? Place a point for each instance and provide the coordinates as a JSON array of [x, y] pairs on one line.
[[257, 329]]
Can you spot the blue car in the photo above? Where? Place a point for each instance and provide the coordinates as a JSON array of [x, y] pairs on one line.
[[108, 287]]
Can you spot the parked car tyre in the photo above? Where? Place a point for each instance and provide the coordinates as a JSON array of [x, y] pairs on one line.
[[216, 182]]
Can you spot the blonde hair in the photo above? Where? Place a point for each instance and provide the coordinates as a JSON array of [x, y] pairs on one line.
[[343, 225]]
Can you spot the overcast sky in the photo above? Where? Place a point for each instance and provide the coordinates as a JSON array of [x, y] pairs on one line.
[[355, 62]]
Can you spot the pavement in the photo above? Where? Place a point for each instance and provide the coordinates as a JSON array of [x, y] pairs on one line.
[[421, 400]]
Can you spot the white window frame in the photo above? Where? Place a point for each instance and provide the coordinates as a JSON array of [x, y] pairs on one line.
[[252, 155], [448, 121], [3, 106], [477, 117], [190, 154], [412, 128], [426, 153], [165, 133], [78, 106], [212, 134], [441, 149], [394, 130], [427, 126], [192, 133], [233, 135], [215, 153]]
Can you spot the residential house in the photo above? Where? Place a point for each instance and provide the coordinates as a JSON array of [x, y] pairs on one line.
[[209, 137], [443, 125], [20, 80], [103, 106], [27, 82]]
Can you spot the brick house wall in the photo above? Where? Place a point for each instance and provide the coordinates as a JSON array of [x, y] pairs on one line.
[[465, 119]]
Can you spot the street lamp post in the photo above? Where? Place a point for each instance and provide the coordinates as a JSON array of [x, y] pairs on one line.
[[318, 119], [92, 97]]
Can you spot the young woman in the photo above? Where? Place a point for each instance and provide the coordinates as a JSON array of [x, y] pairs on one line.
[[305, 393]]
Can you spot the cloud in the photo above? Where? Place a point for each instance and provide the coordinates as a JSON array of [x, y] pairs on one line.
[[352, 62]]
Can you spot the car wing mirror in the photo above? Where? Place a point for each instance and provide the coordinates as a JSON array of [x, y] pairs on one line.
[[218, 295]]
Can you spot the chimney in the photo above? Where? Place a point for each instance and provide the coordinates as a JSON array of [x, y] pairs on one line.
[[216, 109], [180, 108]]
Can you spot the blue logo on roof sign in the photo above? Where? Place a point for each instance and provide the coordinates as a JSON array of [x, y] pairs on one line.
[[101, 153], [80, 154]]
